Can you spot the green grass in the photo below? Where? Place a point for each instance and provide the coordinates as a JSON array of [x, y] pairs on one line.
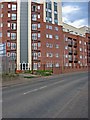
[[44, 72], [28, 76]]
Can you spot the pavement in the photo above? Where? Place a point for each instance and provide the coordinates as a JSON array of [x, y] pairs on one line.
[[59, 96]]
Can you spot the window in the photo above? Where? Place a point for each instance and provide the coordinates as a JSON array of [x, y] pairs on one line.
[[85, 57], [66, 47], [34, 17], [13, 26], [66, 56], [80, 42], [13, 46], [2, 6], [39, 25], [1, 25], [57, 64], [13, 7], [35, 57], [84, 43], [34, 8], [13, 56], [8, 14], [50, 27], [0, 34], [38, 16], [56, 37], [8, 44], [34, 46], [8, 34], [56, 28], [34, 26], [8, 54], [65, 38], [8, 24], [46, 26], [39, 44], [66, 64], [49, 45], [49, 65], [55, 6], [39, 35], [56, 46], [80, 49], [47, 35], [39, 65], [57, 55], [49, 55], [9, 6], [85, 50], [13, 16], [80, 56], [34, 36], [38, 7], [50, 36], [13, 36], [1, 15], [39, 54], [35, 65]]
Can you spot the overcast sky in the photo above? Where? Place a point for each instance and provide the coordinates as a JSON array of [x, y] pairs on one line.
[[75, 13]]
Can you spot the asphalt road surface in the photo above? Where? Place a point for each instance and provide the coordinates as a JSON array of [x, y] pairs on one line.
[[60, 96]]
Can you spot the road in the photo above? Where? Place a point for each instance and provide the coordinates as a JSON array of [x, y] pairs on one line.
[[60, 96]]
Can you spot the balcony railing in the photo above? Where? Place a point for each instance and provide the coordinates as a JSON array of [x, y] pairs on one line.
[[70, 52], [75, 44], [75, 52], [75, 60], [70, 43]]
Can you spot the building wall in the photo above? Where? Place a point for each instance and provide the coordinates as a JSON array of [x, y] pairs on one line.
[[8, 28]]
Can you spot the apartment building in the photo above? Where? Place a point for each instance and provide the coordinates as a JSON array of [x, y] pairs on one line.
[[40, 35], [36, 38], [8, 31], [75, 43]]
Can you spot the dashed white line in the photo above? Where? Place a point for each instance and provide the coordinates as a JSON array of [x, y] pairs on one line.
[[35, 90]]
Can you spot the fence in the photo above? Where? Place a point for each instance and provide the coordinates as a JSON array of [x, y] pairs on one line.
[[8, 65]]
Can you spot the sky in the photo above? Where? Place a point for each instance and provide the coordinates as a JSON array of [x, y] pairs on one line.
[[75, 13]]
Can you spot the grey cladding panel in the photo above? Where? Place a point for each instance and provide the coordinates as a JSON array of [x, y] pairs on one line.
[[24, 32]]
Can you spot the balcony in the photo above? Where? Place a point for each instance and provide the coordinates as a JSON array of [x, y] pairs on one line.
[[75, 52], [75, 60], [70, 43], [70, 60], [75, 44], [70, 52]]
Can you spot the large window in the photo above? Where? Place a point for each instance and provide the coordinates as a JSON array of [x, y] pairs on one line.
[[13, 56], [13, 46], [13, 36], [55, 6], [34, 8], [13, 26], [13, 7], [34, 36], [13, 16], [0, 34], [34, 17], [34, 26]]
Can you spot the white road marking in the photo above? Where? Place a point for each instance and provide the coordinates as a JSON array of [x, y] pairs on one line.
[[35, 90], [43, 87]]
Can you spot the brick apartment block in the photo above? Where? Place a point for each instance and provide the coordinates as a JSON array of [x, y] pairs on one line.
[[36, 38]]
